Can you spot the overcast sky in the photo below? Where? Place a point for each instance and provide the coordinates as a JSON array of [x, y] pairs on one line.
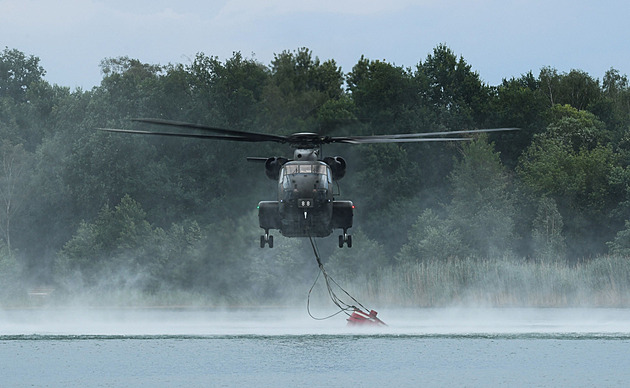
[[499, 38]]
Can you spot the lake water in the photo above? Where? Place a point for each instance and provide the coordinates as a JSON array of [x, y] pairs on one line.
[[280, 347]]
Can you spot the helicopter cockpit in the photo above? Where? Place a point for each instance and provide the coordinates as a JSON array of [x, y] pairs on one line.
[[304, 181], [294, 174]]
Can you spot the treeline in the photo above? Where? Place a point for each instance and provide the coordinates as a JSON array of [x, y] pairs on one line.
[[81, 209]]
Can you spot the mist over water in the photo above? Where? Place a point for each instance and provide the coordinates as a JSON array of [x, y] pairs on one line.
[[282, 322], [433, 347]]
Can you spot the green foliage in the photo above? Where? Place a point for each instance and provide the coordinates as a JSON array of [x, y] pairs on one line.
[[226, 94], [191, 225], [479, 220], [548, 238], [385, 166], [432, 238], [520, 102], [613, 106], [577, 128], [620, 245], [295, 72], [113, 233], [572, 163], [365, 259], [299, 85], [456, 93], [383, 94], [10, 276], [129, 86], [570, 160], [13, 181], [18, 73], [575, 88], [482, 206]]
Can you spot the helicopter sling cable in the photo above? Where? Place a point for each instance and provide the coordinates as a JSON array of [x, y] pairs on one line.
[[357, 313]]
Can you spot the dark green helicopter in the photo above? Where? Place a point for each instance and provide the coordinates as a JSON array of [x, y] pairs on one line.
[[306, 206]]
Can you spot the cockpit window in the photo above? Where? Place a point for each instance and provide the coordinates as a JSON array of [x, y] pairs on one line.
[[305, 169], [291, 169], [301, 176]]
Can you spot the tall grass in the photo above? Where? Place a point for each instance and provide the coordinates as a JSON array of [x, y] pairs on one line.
[[500, 282], [475, 282]]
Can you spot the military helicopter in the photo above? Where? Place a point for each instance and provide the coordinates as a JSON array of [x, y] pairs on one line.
[[305, 205]]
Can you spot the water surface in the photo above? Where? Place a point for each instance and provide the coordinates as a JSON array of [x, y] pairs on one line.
[[279, 347]]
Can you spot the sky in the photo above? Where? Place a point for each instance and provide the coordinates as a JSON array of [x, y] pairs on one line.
[[498, 38]]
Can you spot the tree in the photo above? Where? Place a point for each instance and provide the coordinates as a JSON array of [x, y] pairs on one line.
[[482, 207], [17, 73], [479, 219], [227, 94], [548, 237], [365, 259], [613, 107], [571, 163], [112, 241], [549, 81], [299, 72], [456, 93], [10, 277], [432, 238], [521, 103], [298, 87], [620, 245], [101, 168], [51, 217], [128, 87], [576, 88], [383, 94], [570, 159], [12, 185], [576, 128], [383, 186]]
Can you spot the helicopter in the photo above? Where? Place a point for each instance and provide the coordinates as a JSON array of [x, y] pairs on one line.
[[306, 205]]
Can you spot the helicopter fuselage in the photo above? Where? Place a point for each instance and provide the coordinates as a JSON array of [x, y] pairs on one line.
[[305, 206]]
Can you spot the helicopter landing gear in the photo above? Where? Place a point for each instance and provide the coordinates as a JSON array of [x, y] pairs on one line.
[[266, 239], [345, 238]]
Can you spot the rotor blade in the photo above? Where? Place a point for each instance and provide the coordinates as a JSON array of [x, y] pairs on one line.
[[190, 135], [446, 133], [257, 159], [412, 137], [253, 136], [374, 140]]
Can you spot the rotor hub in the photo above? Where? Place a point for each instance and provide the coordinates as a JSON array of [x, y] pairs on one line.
[[307, 139]]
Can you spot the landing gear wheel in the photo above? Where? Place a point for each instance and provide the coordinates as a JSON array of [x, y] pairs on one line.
[[266, 239], [345, 239]]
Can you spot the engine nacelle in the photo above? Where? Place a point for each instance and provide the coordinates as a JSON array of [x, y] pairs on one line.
[[273, 166], [337, 166]]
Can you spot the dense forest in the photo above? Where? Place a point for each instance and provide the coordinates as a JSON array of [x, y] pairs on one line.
[[542, 209]]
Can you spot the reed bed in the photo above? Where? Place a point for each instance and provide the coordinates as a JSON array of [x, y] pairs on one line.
[[499, 282]]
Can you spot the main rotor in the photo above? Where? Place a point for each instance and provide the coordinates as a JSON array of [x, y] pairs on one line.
[[301, 140]]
